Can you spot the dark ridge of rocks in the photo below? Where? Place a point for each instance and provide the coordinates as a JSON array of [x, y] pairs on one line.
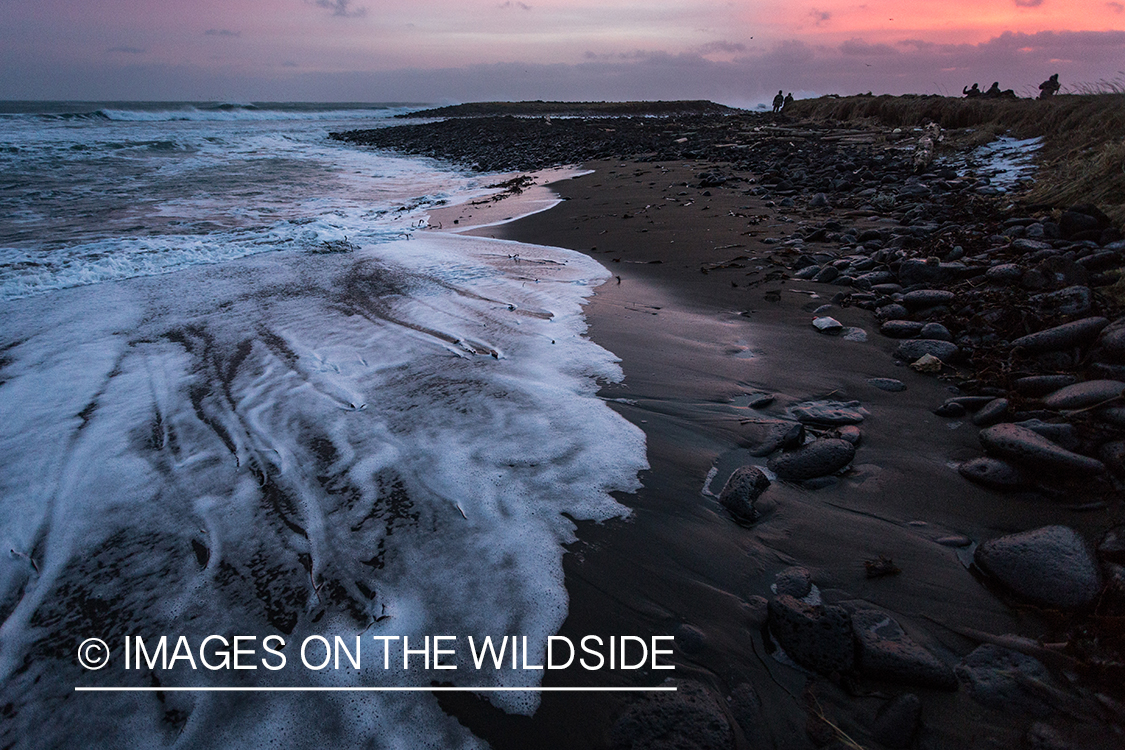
[[573, 109]]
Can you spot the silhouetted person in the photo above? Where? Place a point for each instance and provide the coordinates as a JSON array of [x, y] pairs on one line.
[[994, 92], [1050, 87], [778, 101], [787, 101], [972, 93]]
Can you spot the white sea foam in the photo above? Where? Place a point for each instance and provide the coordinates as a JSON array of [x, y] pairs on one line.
[[302, 444]]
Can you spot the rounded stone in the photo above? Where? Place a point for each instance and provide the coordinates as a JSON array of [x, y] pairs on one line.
[[795, 581], [991, 413], [816, 459], [914, 349], [1040, 385], [935, 331], [891, 385], [1081, 395], [742, 490], [1051, 566], [885, 651], [815, 636], [994, 474], [1077, 333], [901, 329], [1035, 452], [923, 298]]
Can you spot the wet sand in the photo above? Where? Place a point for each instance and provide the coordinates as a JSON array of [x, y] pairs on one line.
[[693, 345]]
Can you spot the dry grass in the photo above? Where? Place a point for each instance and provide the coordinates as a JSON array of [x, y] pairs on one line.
[[1083, 154]]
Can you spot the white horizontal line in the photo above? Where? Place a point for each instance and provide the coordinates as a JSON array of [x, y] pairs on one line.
[[403, 689]]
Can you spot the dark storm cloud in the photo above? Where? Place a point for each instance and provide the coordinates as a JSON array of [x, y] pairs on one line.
[[858, 47], [820, 17]]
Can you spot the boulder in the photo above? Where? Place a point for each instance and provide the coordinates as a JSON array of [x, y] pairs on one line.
[[996, 677], [1081, 395], [885, 651], [742, 490], [816, 636], [1051, 566], [1077, 333], [1035, 452], [914, 349], [816, 459], [994, 474]]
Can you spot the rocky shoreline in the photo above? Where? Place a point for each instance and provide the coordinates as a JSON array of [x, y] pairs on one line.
[[1016, 308]]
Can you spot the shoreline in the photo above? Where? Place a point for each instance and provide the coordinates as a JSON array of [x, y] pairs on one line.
[[693, 345]]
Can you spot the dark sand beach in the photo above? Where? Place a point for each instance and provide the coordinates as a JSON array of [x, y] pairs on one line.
[[707, 315]]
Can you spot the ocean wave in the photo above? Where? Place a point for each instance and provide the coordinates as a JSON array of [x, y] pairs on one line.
[[387, 442]]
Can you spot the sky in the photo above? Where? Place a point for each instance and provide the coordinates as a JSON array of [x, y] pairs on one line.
[[737, 53]]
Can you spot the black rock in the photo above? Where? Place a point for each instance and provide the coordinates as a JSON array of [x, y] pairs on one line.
[[815, 636], [742, 490], [884, 651], [923, 298], [996, 677], [901, 329], [816, 459], [914, 349], [1051, 566], [994, 473], [795, 581], [688, 719], [1081, 395], [887, 384], [991, 413], [1036, 453], [1077, 333]]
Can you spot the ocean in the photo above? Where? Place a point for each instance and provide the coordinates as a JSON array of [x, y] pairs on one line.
[[247, 392]]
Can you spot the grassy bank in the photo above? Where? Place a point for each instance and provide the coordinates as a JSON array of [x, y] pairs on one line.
[[1083, 155]]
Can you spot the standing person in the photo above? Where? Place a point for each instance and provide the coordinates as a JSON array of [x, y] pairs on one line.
[[787, 101], [1050, 87], [778, 101]]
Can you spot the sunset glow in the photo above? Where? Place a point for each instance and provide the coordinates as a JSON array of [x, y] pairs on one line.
[[430, 50]]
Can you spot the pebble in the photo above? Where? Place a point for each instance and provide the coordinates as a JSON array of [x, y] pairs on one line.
[[795, 581], [1033, 451], [1077, 333], [1005, 273], [893, 311], [827, 412], [742, 490], [995, 677], [1064, 434], [828, 325], [887, 384], [1081, 395], [935, 331], [913, 349], [816, 636], [1051, 566], [923, 298], [991, 413], [816, 459], [885, 651], [901, 329], [848, 432], [898, 720], [994, 474], [1074, 300], [954, 540]]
